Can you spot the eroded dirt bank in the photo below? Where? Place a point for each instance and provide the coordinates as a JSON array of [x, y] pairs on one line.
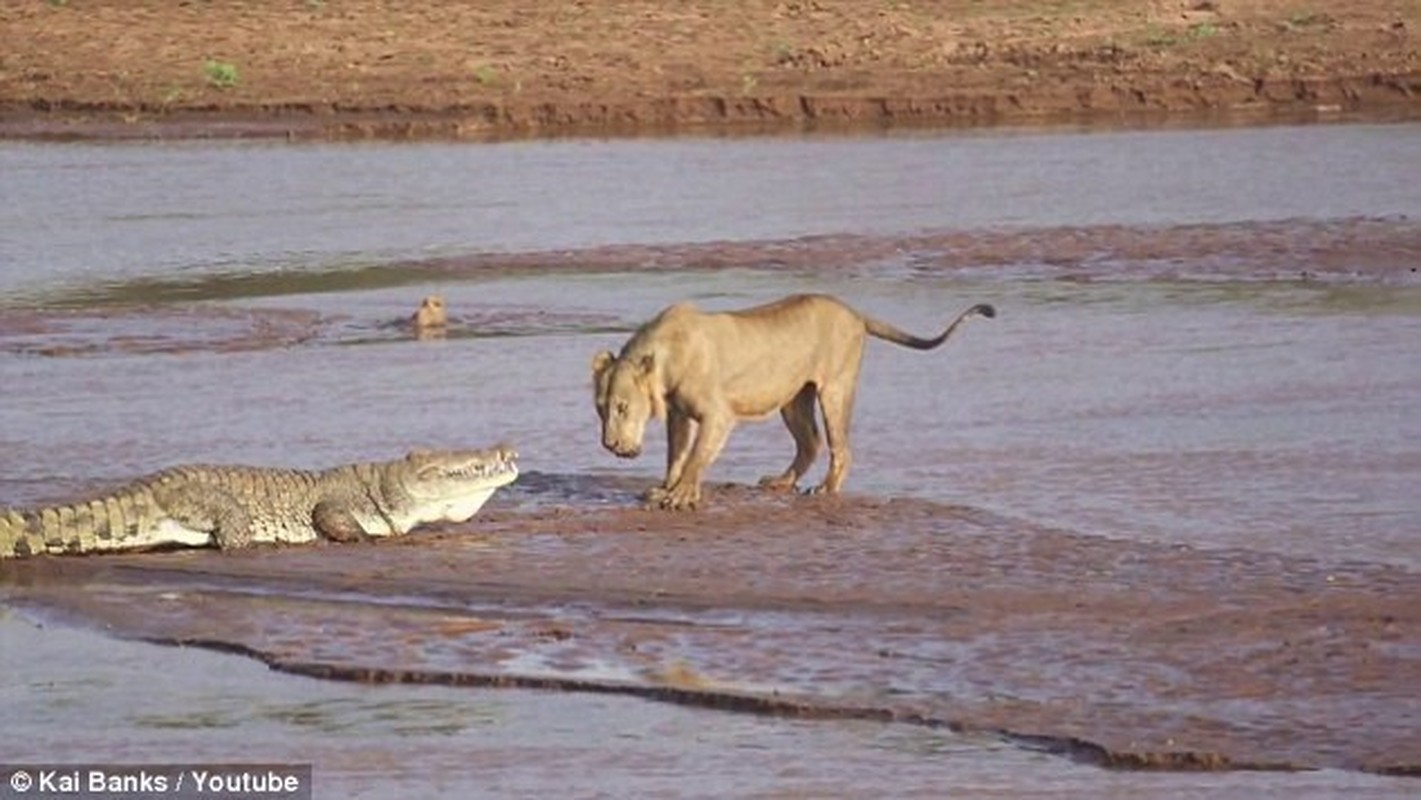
[[139, 69], [1124, 654]]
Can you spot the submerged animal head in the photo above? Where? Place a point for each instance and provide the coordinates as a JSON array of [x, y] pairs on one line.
[[627, 394], [430, 314], [445, 485]]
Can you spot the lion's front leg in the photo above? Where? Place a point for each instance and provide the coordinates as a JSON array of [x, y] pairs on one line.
[[709, 437], [680, 434]]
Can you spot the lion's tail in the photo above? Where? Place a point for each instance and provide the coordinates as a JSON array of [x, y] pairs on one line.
[[883, 330]]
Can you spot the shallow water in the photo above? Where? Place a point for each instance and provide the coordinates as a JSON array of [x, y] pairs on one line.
[[75, 215], [1263, 414], [398, 741], [1193, 413]]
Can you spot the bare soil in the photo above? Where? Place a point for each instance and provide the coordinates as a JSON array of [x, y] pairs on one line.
[[142, 68]]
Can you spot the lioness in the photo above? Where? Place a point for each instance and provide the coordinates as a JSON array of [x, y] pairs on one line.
[[703, 372], [430, 319]]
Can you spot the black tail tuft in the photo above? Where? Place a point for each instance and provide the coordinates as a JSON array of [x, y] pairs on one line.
[[985, 310]]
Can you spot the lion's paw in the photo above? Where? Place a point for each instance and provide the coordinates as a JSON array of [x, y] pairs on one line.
[[681, 498], [778, 483]]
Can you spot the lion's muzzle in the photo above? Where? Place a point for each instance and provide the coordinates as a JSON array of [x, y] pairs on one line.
[[621, 443], [623, 450]]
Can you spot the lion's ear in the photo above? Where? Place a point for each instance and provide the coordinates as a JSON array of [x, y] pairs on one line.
[[601, 362], [647, 364]]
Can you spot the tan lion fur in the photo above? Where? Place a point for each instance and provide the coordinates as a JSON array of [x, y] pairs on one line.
[[703, 372], [430, 319]]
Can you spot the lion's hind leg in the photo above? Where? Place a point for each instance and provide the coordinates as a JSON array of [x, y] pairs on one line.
[[838, 403], [798, 415]]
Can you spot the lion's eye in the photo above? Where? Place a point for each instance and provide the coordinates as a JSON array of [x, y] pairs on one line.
[[622, 409]]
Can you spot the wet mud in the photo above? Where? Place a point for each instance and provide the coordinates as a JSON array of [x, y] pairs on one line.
[[1123, 654], [1368, 249], [150, 330]]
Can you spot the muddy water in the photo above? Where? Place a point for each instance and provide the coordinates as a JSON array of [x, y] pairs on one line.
[[74, 216], [1197, 348]]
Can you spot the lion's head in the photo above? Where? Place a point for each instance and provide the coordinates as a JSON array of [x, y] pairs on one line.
[[628, 394], [431, 313]]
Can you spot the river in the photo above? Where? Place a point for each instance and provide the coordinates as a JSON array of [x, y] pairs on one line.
[[1206, 339]]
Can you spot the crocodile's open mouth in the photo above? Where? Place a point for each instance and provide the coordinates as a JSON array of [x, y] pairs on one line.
[[494, 474], [451, 486], [504, 464], [494, 462]]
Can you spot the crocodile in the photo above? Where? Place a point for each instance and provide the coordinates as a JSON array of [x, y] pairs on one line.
[[203, 505]]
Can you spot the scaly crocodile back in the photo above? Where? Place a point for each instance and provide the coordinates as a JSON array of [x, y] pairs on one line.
[[171, 507], [233, 506]]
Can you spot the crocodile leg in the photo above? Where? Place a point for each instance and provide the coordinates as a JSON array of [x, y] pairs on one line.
[[334, 520], [207, 507]]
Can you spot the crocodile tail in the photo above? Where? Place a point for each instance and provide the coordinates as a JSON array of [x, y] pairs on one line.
[[889, 333], [82, 527], [21, 534]]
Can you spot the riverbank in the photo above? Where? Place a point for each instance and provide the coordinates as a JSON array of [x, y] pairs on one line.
[[501, 69], [937, 616]]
